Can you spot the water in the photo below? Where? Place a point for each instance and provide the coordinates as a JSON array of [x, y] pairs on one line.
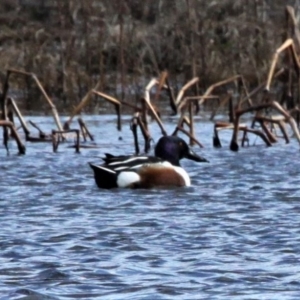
[[234, 234]]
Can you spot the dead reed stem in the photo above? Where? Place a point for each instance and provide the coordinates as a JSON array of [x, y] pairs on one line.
[[115, 102], [12, 103], [41, 132], [184, 88], [190, 136], [10, 125], [41, 88], [133, 127], [275, 105], [57, 133], [85, 130], [137, 122], [81, 105], [147, 101], [171, 97]]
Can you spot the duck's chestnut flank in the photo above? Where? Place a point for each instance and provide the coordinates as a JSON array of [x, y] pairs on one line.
[[154, 176]]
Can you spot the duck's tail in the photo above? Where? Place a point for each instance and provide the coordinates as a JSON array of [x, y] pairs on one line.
[[105, 178]]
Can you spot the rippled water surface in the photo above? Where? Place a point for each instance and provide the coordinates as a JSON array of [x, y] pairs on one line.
[[234, 234]]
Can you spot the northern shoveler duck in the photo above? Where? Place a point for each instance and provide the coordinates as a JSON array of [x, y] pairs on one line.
[[160, 170]]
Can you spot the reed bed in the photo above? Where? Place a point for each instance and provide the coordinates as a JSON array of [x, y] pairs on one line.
[[74, 45], [196, 80]]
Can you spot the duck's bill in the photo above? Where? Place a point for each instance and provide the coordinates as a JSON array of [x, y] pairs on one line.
[[193, 156]]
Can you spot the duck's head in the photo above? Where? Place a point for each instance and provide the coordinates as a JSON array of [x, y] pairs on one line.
[[174, 148]]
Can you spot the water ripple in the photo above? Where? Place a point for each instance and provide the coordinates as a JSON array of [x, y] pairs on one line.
[[234, 234]]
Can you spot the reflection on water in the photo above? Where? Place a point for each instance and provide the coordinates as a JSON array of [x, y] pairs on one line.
[[234, 234]]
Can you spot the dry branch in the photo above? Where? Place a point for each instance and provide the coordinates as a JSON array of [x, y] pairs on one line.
[[137, 122], [57, 133], [81, 105], [192, 98], [275, 105], [84, 130], [115, 102], [288, 44], [10, 125], [280, 121], [41, 132], [291, 15], [222, 103], [189, 135], [147, 101], [161, 83], [184, 88], [171, 97], [41, 88], [12, 103], [218, 84]]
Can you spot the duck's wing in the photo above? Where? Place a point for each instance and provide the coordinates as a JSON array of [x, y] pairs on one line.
[[109, 158], [122, 163], [121, 173]]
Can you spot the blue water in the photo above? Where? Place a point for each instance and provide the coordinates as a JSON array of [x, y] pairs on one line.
[[234, 234]]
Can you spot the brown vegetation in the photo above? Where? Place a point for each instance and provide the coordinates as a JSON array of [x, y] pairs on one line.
[[73, 45]]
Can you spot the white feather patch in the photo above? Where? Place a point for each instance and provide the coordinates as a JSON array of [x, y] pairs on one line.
[[121, 168], [106, 169], [129, 168], [127, 178], [183, 174], [129, 160]]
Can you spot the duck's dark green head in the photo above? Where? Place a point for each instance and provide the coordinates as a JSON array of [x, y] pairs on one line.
[[173, 149]]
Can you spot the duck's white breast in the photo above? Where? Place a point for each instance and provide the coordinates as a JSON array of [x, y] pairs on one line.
[[183, 174]]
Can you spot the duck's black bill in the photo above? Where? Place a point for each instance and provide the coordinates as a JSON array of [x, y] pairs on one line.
[[193, 156]]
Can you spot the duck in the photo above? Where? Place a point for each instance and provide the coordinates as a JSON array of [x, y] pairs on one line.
[[141, 171]]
